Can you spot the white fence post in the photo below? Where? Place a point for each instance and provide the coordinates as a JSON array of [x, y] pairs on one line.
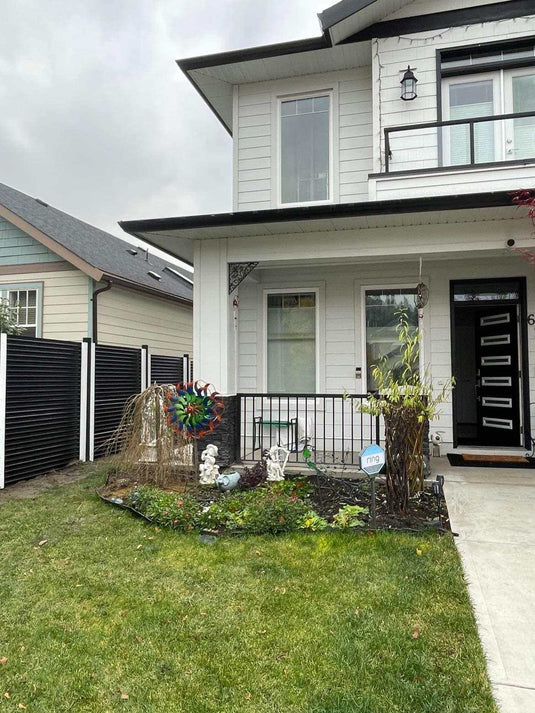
[[3, 383], [145, 375], [84, 371], [87, 401], [91, 410]]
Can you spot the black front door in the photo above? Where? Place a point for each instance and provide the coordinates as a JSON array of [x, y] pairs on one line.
[[497, 381]]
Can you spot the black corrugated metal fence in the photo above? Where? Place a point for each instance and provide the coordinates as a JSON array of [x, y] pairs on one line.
[[61, 401], [117, 379], [42, 406]]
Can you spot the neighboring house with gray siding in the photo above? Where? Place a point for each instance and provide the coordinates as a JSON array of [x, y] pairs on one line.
[[66, 279]]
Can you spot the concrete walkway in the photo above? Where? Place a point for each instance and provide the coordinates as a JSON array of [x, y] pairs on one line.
[[493, 510]]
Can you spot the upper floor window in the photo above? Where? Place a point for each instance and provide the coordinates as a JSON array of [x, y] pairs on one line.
[[24, 305], [305, 138]]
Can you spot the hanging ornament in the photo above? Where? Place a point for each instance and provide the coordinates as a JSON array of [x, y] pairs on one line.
[[422, 294]]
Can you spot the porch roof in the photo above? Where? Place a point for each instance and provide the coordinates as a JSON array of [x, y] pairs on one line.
[[176, 235]]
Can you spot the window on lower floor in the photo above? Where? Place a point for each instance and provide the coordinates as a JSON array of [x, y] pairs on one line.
[[382, 318], [291, 342], [23, 304]]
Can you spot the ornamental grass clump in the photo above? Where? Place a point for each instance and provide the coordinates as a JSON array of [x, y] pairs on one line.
[[407, 401]]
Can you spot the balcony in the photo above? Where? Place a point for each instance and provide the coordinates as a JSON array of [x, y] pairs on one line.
[[461, 143], [496, 153]]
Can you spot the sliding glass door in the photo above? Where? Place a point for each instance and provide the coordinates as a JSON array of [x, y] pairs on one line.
[[468, 98], [519, 95], [486, 95]]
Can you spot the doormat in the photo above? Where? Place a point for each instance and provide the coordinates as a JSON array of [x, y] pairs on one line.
[[476, 460]]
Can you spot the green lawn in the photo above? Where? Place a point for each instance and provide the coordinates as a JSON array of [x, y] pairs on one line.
[[111, 607]]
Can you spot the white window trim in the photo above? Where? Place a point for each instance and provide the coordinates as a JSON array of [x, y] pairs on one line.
[[330, 92], [319, 305], [21, 286], [421, 327]]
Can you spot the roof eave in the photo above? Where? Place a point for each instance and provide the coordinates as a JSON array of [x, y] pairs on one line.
[[189, 64], [153, 291], [494, 199], [91, 270]]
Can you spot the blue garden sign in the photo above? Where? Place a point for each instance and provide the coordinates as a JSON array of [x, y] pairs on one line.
[[372, 459]]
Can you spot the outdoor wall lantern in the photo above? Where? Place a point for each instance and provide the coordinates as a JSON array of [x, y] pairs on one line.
[[408, 85]]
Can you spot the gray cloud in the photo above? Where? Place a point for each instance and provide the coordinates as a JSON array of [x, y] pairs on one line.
[[96, 117]]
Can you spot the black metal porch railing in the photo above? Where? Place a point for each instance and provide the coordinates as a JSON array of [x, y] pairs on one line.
[[331, 426], [434, 145]]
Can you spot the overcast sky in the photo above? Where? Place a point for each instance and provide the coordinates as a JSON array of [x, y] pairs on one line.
[[96, 118]]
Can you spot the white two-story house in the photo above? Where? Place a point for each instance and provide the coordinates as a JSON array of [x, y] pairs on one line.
[[373, 170]]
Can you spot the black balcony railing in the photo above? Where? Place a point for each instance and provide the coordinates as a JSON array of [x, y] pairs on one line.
[[443, 144], [331, 426]]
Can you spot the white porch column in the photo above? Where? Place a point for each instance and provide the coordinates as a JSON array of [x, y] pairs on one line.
[[213, 341]]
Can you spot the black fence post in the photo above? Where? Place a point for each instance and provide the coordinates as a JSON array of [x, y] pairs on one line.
[[237, 439], [186, 368], [378, 430]]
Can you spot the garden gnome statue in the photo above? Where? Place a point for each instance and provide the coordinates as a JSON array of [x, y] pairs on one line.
[[277, 458], [208, 470]]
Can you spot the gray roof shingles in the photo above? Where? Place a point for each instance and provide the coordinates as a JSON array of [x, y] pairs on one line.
[[98, 248]]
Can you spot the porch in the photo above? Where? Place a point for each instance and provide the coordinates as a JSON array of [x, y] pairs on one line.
[[333, 427], [293, 307]]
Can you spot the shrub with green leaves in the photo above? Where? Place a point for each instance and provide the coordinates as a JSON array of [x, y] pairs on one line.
[[181, 512], [298, 487], [313, 521], [263, 510], [349, 516]]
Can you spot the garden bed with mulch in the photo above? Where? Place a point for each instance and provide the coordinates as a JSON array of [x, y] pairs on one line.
[[330, 493], [303, 501]]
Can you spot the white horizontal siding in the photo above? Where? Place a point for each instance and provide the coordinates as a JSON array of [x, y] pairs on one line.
[[252, 149], [131, 319], [355, 136], [434, 184]]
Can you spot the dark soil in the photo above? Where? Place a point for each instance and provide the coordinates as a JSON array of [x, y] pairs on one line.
[[331, 493]]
